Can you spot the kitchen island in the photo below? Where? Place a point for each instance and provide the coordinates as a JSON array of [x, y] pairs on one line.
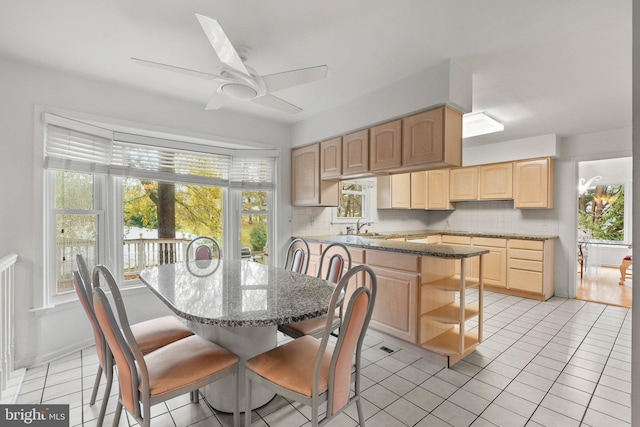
[[423, 278], [422, 292]]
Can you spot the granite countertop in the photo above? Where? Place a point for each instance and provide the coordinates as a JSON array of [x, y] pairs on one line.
[[238, 293], [422, 249], [380, 241]]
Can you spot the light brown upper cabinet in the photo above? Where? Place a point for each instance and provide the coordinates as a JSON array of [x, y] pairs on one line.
[[331, 158], [463, 184], [432, 139], [307, 189], [496, 181], [355, 153], [385, 146], [394, 191], [419, 190], [438, 190], [430, 190], [533, 183]]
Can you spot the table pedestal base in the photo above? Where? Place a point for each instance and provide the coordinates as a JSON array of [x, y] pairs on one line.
[[246, 343]]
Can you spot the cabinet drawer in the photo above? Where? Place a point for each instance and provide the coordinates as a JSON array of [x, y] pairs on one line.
[[393, 261], [524, 254], [525, 280], [536, 245], [490, 242], [522, 264], [456, 240]]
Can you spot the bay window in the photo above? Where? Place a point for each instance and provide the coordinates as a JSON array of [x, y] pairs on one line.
[[131, 201]]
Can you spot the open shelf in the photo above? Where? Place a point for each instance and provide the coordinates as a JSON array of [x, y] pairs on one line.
[[452, 283], [448, 342], [451, 313]]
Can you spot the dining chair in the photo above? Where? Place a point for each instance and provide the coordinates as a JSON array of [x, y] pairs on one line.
[[170, 371], [298, 254], [310, 371], [339, 260], [151, 334]]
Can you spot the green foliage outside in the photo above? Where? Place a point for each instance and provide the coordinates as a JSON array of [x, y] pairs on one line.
[[601, 212], [258, 237], [350, 203]]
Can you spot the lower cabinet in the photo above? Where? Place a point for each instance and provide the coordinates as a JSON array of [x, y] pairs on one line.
[[530, 267], [395, 309]]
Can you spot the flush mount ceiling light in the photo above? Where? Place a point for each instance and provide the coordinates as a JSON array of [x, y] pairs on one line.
[[474, 124]]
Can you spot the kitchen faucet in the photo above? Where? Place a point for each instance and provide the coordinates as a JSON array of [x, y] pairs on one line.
[[359, 226]]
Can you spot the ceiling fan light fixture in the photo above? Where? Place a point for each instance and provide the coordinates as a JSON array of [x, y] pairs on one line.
[[475, 124], [239, 91]]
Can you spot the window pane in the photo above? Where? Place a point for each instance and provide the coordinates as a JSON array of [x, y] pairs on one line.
[[254, 226], [73, 190], [350, 206], [351, 186], [160, 219], [601, 212], [76, 234]]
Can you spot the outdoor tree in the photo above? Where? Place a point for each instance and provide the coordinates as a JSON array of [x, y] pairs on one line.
[[601, 212]]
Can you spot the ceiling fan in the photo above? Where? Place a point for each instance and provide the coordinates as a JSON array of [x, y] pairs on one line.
[[238, 81]]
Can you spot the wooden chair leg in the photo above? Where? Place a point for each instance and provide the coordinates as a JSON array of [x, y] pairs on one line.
[[623, 270]]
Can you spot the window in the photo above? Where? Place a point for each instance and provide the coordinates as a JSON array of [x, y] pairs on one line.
[[77, 222], [355, 200], [131, 202]]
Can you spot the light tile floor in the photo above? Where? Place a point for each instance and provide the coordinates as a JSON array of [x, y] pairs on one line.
[[555, 363]]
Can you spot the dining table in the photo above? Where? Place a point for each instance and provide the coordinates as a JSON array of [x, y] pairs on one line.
[[237, 304]]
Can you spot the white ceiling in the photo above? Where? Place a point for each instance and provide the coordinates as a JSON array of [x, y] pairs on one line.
[[540, 67]]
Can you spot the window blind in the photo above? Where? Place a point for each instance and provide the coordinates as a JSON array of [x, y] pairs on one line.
[[77, 146], [251, 173], [73, 150]]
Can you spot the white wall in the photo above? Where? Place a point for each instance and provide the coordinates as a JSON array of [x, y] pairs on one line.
[[44, 334]]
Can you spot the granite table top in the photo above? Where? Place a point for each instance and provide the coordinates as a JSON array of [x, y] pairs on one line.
[[238, 293]]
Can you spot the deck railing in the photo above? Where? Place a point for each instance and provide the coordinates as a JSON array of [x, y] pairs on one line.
[[7, 286]]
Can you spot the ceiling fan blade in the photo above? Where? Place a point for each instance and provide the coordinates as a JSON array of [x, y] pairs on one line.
[[200, 74], [221, 43], [287, 79], [217, 100], [277, 103]]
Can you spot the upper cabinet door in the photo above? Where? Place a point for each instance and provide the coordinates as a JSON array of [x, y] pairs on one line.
[[533, 183], [496, 181], [463, 184], [355, 153], [419, 190], [331, 158], [422, 139], [307, 189], [438, 190], [386, 146]]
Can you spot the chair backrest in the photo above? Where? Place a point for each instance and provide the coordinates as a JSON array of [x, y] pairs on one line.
[[337, 263], [352, 332], [85, 275], [87, 304], [203, 248], [132, 369], [122, 350], [297, 256]]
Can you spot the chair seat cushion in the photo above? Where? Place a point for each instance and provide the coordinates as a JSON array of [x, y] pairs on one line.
[[314, 326], [185, 362], [291, 365], [155, 333], [628, 257]]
